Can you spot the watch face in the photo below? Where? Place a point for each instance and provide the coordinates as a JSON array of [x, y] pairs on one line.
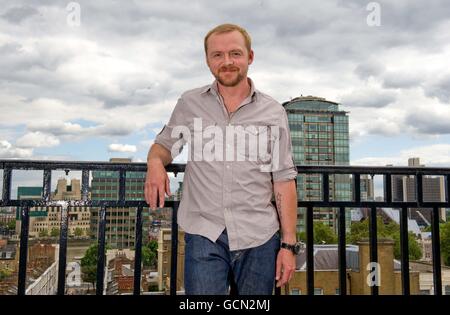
[[297, 248]]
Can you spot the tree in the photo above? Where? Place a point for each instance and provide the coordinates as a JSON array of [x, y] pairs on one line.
[[150, 254], [89, 264], [54, 232], [43, 233], [415, 251], [323, 234], [11, 225], [445, 242], [360, 230], [78, 231], [4, 273]]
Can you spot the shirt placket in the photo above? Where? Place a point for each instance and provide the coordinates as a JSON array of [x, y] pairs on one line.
[[228, 168]]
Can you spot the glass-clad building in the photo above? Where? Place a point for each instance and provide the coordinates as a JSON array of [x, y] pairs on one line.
[[320, 136], [120, 222]]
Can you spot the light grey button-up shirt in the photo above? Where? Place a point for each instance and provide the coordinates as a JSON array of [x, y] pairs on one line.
[[233, 160]]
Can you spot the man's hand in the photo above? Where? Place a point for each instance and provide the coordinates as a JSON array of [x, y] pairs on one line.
[[285, 266], [157, 183]]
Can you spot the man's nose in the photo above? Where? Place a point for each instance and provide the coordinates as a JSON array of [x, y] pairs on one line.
[[227, 61]]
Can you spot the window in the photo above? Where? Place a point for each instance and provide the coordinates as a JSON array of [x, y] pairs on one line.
[[447, 290], [296, 291], [318, 291]]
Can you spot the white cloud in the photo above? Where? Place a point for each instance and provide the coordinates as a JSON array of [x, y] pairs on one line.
[[368, 97], [56, 127], [116, 147], [37, 139], [7, 150]]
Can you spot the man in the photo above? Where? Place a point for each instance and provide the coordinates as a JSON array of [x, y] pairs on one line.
[[231, 227]]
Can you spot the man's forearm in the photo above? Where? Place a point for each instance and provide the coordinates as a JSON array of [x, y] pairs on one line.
[[286, 200], [157, 151]]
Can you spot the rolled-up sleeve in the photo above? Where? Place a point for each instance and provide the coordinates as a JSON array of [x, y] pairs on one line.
[[285, 169], [173, 134]]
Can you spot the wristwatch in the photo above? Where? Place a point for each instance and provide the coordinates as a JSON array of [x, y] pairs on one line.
[[294, 248]]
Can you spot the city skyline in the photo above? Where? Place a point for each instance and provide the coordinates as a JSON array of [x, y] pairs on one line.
[[104, 87]]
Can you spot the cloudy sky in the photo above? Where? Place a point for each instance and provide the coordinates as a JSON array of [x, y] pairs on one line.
[[90, 80]]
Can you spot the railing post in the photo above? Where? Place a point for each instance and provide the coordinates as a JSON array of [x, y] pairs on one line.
[[47, 180], [122, 185], [326, 187], [6, 193], [404, 246], [310, 250], [357, 180], [174, 250], [25, 221], [342, 253], [101, 251], [436, 250], [419, 190], [63, 249], [373, 245], [138, 253], [388, 188], [85, 185]]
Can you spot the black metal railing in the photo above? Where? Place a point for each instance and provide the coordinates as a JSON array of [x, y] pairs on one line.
[[324, 171]]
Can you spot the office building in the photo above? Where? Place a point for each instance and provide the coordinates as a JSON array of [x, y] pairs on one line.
[[320, 136], [120, 222]]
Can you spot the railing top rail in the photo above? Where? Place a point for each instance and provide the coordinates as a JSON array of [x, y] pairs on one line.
[[393, 170], [82, 165], [176, 167]]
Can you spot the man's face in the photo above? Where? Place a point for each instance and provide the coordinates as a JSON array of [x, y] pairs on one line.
[[228, 58]]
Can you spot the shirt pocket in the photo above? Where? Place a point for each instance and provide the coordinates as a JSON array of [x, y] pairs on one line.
[[259, 142]]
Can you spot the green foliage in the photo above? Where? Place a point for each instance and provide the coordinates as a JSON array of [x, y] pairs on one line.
[[54, 232], [323, 234], [150, 254], [11, 225], [415, 251], [4, 273], [360, 230], [89, 264], [43, 233], [78, 231], [153, 287], [445, 242]]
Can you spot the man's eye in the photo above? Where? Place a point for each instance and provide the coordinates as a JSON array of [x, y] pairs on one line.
[[236, 54]]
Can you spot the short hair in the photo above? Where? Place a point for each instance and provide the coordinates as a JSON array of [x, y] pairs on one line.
[[226, 28]]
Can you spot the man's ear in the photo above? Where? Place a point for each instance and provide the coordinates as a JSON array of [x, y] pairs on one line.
[[251, 56]]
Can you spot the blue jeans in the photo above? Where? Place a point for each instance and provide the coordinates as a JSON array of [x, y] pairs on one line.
[[208, 266]]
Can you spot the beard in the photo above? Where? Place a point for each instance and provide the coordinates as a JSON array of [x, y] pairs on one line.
[[229, 76]]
